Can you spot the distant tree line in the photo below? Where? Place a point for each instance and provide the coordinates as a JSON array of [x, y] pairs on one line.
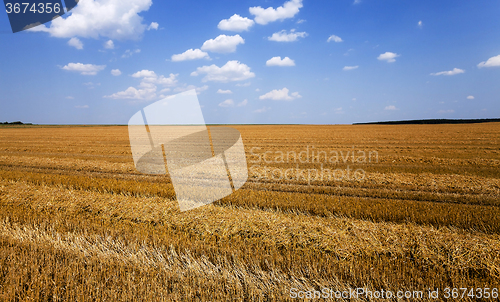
[[434, 121], [16, 123]]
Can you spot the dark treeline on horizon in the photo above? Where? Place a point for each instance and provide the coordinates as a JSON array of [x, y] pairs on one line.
[[15, 123], [433, 121]]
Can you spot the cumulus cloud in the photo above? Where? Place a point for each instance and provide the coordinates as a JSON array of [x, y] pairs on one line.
[[116, 72], [132, 93], [390, 57], [191, 87], [148, 86], [128, 53], [243, 103], [227, 103], [76, 43], [115, 19], [265, 16], [190, 54], [236, 23], [449, 73], [390, 108], [283, 36], [109, 44], [91, 85], [149, 76], [334, 38], [153, 25], [420, 24], [470, 97], [84, 69], [262, 110], [231, 71], [224, 91], [491, 62], [223, 44], [144, 74], [350, 67], [277, 61], [280, 95]]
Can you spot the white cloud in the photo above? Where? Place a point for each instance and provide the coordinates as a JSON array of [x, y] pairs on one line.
[[153, 25], [334, 38], [277, 61], [91, 85], [148, 86], [301, 21], [288, 10], [283, 36], [244, 84], [143, 93], [109, 44], [144, 74], [191, 87], [128, 53], [492, 62], [202, 88], [348, 51], [449, 73], [390, 107], [280, 95], [82, 107], [224, 91], [231, 71], [470, 97], [190, 54], [76, 43], [236, 23], [115, 19], [227, 103], [69, 97], [84, 69], [243, 103], [357, 1], [223, 44], [262, 110], [149, 76], [420, 24], [390, 57], [116, 72], [350, 67]]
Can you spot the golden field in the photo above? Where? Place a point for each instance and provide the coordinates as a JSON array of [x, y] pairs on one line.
[[79, 223]]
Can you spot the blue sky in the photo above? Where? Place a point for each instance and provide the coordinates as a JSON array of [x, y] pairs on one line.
[[310, 61]]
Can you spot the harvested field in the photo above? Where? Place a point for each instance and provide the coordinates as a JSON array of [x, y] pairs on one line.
[[420, 210]]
